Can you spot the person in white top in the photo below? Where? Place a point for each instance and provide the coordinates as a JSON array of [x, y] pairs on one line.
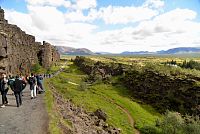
[[4, 89]]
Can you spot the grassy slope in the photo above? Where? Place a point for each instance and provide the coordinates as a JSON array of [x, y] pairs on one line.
[[53, 116], [96, 96]]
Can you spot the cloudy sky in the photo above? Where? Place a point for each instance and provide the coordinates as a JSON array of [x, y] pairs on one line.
[[109, 25]]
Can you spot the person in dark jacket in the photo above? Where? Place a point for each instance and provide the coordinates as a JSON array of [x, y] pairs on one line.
[[39, 83], [4, 89], [18, 87], [11, 80]]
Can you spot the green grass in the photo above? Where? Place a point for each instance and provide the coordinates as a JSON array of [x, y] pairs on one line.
[[142, 114], [98, 96], [53, 116]]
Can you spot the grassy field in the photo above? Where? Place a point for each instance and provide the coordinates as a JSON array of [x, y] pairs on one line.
[[104, 96], [140, 59]]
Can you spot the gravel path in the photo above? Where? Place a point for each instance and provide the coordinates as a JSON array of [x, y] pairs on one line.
[[30, 118]]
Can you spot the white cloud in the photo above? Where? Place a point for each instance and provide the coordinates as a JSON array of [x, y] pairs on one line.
[[86, 4], [154, 4], [124, 15], [155, 30], [176, 28], [48, 23], [78, 4], [65, 3], [114, 15], [76, 16], [172, 29], [110, 14], [45, 17]]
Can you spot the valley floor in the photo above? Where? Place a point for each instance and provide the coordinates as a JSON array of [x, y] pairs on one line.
[[123, 113]]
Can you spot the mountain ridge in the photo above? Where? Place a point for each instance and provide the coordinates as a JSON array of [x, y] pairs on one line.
[[178, 50], [73, 51], [84, 51]]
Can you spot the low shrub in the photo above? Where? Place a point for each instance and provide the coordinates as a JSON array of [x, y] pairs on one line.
[[82, 86]]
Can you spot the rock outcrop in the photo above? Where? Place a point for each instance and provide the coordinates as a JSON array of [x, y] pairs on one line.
[[19, 51], [79, 120], [175, 90]]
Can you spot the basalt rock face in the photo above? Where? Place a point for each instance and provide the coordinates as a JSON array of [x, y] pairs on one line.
[[19, 51], [175, 91], [165, 92]]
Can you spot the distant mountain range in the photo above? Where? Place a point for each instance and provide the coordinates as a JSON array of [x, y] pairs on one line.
[[135, 53], [73, 51], [84, 51], [179, 50]]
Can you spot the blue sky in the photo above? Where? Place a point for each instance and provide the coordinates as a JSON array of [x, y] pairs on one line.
[[109, 25], [21, 5]]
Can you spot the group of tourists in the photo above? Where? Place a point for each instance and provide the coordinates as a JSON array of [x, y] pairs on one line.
[[17, 84]]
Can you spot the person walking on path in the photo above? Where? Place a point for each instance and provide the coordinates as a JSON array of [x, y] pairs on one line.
[[11, 80], [33, 85], [18, 87], [40, 83], [21, 77], [4, 90]]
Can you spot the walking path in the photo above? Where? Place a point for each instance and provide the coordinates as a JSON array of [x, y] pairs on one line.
[[30, 118]]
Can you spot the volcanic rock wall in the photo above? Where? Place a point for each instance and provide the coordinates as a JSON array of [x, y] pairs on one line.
[[180, 92], [165, 92], [19, 51]]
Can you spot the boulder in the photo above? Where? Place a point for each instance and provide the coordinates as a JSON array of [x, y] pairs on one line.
[[100, 114], [2, 52]]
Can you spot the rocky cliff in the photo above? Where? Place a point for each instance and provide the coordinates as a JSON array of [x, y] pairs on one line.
[[163, 87], [19, 51]]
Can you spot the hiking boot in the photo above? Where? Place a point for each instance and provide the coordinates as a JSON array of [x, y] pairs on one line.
[[3, 106]]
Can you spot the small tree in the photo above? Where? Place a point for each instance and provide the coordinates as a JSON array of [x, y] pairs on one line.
[[172, 123], [37, 68], [192, 125], [83, 86]]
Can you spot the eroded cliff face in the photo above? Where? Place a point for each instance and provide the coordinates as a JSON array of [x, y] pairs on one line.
[[19, 51]]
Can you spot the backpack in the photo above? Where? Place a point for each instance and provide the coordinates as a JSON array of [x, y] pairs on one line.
[[31, 80], [10, 82]]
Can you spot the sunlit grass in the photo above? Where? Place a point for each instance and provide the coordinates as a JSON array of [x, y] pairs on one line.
[[53, 116], [99, 96]]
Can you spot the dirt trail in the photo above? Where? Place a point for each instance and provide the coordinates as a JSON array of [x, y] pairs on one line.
[[30, 118], [130, 118]]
